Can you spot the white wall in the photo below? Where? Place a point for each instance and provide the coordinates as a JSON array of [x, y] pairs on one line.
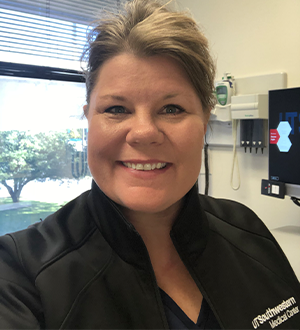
[[252, 38]]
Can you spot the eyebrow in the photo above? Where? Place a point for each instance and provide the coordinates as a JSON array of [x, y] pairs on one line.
[[170, 96], [115, 97], [122, 98]]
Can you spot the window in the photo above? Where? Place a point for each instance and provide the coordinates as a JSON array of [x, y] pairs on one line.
[[48, 32], [43, 159]]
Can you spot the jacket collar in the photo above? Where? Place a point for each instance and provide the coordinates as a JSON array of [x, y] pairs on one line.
[[189, 232]]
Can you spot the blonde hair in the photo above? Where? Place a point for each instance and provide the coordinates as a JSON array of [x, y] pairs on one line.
[[148, 28]]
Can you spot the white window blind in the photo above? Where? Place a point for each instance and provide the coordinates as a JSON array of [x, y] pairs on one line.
[[48, 32]]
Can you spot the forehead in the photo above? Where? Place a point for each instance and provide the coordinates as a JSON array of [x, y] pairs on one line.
[[155, 74]]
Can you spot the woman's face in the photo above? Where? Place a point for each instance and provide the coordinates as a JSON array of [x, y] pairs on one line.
[[146, 129]]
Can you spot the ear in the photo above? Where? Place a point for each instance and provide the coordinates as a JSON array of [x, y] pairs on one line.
[[85, 110]]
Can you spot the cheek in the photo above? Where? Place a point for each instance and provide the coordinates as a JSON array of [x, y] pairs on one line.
[[102, 138], [100, 152], [191, 140], [95, 142]]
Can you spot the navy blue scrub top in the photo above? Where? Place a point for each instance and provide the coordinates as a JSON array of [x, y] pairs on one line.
[[177, 319]]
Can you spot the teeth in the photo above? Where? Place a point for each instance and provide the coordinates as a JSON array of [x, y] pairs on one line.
[[145, 167]]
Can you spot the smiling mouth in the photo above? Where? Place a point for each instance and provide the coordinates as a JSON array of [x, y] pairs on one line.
[[145, 167]]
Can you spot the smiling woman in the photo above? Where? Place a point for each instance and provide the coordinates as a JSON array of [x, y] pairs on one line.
[[142, 249], [144, 133]]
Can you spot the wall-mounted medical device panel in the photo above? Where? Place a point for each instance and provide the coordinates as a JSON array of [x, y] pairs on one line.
[[250, 89], [251, 106], [252, 86], [253, 134]]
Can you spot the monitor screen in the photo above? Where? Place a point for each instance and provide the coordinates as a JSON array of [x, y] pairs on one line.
[[284, 135]]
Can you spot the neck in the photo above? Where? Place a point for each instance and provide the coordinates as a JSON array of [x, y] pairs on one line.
[[147, 223], [154, 229]]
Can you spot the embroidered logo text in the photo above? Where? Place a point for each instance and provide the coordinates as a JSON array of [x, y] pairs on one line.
[[278, 314]]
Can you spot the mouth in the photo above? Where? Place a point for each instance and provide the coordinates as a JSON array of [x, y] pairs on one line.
[[145, 167]]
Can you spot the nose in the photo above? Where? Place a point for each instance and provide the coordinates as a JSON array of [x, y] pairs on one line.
[[144, 130]]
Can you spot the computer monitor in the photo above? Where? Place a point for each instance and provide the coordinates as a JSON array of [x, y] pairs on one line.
[[284, 138]]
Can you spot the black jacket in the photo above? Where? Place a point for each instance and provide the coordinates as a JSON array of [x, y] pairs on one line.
[[85, 267]]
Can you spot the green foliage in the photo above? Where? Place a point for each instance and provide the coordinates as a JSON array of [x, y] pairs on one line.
[[20, 218], [27, 156]]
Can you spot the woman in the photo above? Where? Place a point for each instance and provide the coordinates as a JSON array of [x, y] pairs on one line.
[[142, 250]]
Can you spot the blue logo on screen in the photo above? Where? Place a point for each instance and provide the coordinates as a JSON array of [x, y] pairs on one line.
[[291, 117]]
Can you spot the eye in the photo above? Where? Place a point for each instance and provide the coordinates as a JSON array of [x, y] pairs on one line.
[[116, 110], [172, 109]]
